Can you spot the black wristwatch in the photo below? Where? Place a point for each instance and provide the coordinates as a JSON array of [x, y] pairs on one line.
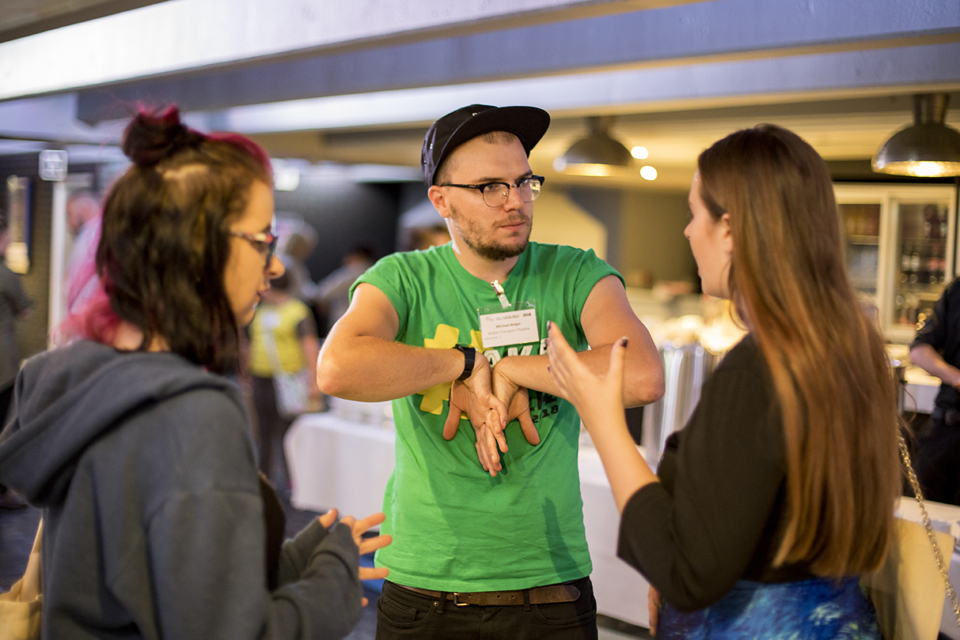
[[469, 358]]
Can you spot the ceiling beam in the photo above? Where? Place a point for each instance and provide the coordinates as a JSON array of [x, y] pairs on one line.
[[707, 32], [710, 84], [820, 76], [21, 18], [174, 37]]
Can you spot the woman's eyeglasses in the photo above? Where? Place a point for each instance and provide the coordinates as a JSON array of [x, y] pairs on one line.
[[264, 242]]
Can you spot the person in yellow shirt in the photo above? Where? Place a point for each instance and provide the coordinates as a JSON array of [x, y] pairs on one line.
[[283, 341]]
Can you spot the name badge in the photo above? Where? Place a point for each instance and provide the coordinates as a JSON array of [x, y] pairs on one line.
[[515, 326]]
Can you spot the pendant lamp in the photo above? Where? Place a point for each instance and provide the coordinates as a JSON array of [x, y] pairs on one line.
[[597, 154], [928, 148]]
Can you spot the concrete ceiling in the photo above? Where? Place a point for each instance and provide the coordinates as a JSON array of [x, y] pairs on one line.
[[677, 76], [171, 39], [841, 129]]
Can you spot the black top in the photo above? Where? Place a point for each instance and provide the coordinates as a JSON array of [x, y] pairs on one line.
[[936, 333], [716, 516]]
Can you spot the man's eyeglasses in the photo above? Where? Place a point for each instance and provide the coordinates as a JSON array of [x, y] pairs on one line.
[[264, 242], [495, 194]]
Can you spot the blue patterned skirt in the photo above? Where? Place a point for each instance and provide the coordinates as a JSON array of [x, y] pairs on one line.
[[819, 609]]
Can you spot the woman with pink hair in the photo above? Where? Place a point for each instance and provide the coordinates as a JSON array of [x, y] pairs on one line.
[[136, 446]]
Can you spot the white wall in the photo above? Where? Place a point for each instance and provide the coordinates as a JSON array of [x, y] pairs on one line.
[[557, 220]]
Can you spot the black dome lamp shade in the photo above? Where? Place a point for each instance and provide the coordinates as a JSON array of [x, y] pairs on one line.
[[928, 148], [597, 154]]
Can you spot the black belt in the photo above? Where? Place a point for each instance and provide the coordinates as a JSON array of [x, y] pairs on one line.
[[538, 595]]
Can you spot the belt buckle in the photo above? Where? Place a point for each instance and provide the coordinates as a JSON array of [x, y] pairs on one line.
[[457, 602]]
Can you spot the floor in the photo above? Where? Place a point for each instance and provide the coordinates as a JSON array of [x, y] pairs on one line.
[[18, 528]]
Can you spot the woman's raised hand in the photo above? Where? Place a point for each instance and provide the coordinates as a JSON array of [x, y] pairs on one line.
[[596, 397]]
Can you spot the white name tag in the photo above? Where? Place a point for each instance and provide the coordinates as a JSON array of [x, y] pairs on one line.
[[509, 328]]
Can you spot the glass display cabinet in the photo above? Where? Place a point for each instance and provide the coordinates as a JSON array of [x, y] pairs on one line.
[[900, 246]]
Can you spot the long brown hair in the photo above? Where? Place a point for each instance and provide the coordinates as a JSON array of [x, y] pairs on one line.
[[826, 358]]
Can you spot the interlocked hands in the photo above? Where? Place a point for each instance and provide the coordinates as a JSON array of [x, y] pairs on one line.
[[490, 401]]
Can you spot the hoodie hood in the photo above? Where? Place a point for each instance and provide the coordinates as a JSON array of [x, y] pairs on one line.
[[66, 398]]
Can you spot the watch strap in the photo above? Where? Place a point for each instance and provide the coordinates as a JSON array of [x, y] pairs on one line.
[[469, 359]]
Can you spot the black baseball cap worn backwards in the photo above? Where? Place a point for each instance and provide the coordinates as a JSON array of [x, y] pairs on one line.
[[449, 132]]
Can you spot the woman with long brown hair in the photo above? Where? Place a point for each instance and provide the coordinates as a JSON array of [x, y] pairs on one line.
[[780, 490]]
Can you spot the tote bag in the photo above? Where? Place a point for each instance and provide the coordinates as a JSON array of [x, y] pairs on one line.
[[20, 607], [908, 592]]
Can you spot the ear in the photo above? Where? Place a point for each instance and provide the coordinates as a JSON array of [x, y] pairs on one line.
[[726, 235], [437, 198]]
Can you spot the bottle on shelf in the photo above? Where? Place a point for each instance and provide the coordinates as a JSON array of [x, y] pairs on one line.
[[923, 273], [931, 221], [913, 309], [933, 267], [901, 312]]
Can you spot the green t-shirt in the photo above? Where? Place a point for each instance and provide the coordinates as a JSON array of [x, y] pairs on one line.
[[454, 527]]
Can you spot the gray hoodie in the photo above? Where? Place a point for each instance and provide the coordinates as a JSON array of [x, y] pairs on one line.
[[154, 524]]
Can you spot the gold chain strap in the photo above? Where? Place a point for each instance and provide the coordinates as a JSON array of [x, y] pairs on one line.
[[941, 565]]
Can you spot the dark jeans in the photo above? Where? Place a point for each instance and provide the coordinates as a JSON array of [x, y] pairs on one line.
[[6, 396], [6, 399], [272, 427], [405, 614]]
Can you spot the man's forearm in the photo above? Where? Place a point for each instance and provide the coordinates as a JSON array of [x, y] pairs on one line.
[[371, 369], [643, 380], [927, 358]]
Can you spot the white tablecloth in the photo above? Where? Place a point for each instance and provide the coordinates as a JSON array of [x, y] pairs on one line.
[[339, 463], [921, 391]]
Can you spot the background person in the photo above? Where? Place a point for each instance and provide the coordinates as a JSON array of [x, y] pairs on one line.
[[780, 490], [333, 292], [283, 339], [504, 538], [422, 238], [83, 219], [139, 453], [936, 349], [296, 248], [14, 305]]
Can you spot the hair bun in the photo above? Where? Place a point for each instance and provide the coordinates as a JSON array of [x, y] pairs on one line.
[[154, 135]]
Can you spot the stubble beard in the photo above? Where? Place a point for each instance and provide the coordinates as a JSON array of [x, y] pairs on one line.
[[493, 251]]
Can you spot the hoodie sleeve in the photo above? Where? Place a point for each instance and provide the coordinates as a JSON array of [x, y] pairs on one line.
[[296, 552], [206, 547], [209, 581]]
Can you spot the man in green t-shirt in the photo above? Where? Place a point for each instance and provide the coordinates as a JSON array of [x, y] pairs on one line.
[[487, 522]]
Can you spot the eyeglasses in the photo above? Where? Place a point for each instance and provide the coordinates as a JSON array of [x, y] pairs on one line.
[[264, 242], [495, 194]]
